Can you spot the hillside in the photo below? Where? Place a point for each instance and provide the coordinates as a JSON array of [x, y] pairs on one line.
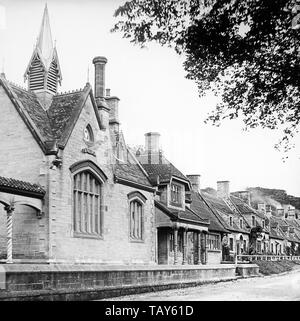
[[278, 195]]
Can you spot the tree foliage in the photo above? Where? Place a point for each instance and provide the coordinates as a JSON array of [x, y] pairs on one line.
[[246, 52]]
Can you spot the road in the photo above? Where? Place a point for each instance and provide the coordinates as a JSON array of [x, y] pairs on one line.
[[283, 287]]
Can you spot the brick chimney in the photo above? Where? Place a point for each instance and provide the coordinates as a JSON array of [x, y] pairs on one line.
[[153, 152], [195, 182], [223, 189], [103, 108]]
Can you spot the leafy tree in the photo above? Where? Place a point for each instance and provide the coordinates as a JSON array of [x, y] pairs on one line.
[[246, 52]]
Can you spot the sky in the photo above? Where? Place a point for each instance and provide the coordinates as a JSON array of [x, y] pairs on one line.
[[154, 94]]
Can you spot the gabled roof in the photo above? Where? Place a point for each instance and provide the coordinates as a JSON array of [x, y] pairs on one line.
[[220, 208], [243, 207], [179, 215], [11, 185], [199, 206], [53, 126], [164, 172]]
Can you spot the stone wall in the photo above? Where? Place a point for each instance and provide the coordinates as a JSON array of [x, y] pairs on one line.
[[86, 282], [29, 234], [115, 246], [214, 257], [21, 158]]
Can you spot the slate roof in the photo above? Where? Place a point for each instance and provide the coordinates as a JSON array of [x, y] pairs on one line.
[[244, 208], [186, 215], [55, 124], [163, 171], [21, 186], [131, 172], [220, 208], [199, 206]]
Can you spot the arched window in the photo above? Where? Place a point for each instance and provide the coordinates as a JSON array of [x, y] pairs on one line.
[[136, 216], [88, 135], [87, 207], [136, 220]]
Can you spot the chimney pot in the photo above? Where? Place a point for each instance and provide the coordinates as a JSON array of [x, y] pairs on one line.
[[107, 92]]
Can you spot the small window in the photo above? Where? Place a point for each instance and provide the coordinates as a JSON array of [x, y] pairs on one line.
[[136, 220], [253, 221], [241, 223], [88, 134], [176, 194], [263, 223], [231, 244], [230, 221]]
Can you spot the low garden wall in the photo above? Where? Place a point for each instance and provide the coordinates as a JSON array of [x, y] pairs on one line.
[[87, 282]]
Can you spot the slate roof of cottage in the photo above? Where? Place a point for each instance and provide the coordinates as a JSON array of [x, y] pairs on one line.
[[244, 208], [57, 122], [220, 208], [131, 172], [163, 171], [21, 186], [198, 205], [186, 215]]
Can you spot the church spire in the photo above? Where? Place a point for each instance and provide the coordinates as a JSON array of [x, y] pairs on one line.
[[43, 71]]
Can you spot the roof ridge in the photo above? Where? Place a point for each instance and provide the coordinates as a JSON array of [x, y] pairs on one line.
[[17, 86], [69, 92]]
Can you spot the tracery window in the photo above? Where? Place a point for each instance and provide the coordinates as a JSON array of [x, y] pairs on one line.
[[88, 135], [87, 203]]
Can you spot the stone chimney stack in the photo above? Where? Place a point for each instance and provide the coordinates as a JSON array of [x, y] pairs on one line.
[[280, 212], [223, 189], [195, 182], [153, 151], [268, 210], [261, 207], [103, 108], [113, 103], [245, 196]]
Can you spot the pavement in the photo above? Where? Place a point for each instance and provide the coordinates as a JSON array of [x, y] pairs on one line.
[[279, 287]]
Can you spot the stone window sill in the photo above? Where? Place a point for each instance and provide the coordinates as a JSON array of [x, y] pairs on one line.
[[87, 236], [136, 241]]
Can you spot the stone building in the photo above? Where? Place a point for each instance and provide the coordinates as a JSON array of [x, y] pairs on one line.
[[69, 186], [181, 232]]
